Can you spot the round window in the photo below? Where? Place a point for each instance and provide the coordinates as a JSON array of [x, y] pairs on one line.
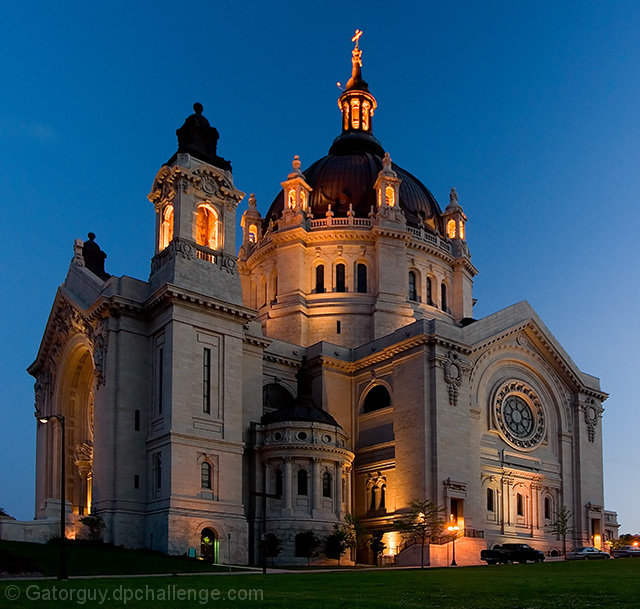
[[302, 435], [519, 415]]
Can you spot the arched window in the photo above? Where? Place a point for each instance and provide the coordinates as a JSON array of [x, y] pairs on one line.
[[413, 292], [377, 398], [303, 199], [292, 198], [461, 228], [443, 297], [326, 484], [383, 492], [355, 113], [372, 505], [253, 233], [345, 115], [491, 506], [207, 227], [275, 396], [278, 482], [547, 508], [205, 476], [362, 278], [520, 504], [166, 229], [320, 279], [390, 196], [429, 291], [365, 115], [302, 482], [341, 285], [451, 229]]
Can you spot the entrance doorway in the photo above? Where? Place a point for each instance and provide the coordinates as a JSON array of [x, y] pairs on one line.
[[209, 545]]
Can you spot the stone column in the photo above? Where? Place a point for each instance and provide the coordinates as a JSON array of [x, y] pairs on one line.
[[287, 484], [315, 484], [348, 506], [338, 486]]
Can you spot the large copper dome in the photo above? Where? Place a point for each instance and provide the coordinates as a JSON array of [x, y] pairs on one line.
[[340, 179]]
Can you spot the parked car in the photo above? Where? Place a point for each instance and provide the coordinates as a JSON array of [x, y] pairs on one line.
[[511, 552], [587, 553], [626, 552]]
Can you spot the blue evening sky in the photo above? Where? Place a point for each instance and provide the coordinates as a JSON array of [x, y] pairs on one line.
[[529, 109]]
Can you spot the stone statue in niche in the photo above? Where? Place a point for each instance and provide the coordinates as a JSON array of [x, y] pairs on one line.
[[198, 138], [94, 257]]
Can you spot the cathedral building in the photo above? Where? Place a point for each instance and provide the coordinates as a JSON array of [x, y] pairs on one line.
[[329, 365]]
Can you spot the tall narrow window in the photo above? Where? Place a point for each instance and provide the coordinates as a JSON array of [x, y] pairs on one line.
[[355, 113], [429, 291], [390, 196], [136, 481], [206, 381], [160, 365], [547, 508], [302, 482], [205, 476], [157, 472], [413, 293], [320, 279], [253, 233], [341, 286], [166, 228], [362, 278], [372, 505], [136, 420], [490, 500], [326, 484], [383, 492], [365, 115], [451, 229], [338, 327], [443, 297], [519, 505], [292, 198]]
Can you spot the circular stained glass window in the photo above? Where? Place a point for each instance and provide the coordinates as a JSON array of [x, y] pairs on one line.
[[519, 415]]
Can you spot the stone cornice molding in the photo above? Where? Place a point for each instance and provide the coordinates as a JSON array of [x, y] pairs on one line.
[[169, 294]]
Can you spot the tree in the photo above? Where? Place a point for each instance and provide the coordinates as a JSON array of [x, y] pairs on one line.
[[377, 545], [307, 544], [95, 524], [272, 546], [355, 531], [423, 521], [337, 543], [561, 527]]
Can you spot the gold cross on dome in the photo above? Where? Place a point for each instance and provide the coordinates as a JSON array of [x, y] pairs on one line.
[[357, 37]]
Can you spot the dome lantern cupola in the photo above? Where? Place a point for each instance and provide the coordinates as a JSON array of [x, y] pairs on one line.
[[357, 106]]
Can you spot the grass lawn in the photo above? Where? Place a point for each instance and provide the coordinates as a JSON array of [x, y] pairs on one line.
[[583, 585], [94, 560]]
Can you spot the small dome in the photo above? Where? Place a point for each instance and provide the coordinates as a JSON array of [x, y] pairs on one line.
[[340, 179], [299, 412]]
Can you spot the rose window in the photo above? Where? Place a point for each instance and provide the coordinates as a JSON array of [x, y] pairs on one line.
[[519, 415]]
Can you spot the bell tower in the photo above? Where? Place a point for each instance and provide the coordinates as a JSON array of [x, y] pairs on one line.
[[195, 202]]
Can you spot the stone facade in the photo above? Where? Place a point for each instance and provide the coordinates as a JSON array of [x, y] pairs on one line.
[[168, 385]]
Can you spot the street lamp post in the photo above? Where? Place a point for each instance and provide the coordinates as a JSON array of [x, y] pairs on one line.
[[62, 567], [453, 529]]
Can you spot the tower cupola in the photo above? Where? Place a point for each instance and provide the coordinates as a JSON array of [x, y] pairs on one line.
[[357, 106]]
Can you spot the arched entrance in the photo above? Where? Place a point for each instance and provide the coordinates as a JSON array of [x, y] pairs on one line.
[[209, 545], [74, 399]]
